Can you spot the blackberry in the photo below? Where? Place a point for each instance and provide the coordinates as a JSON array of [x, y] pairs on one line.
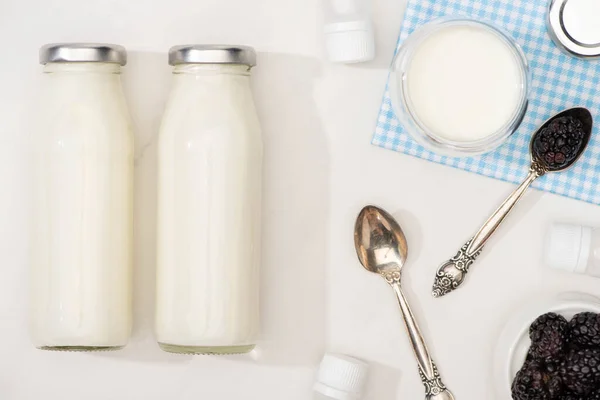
[[584, 330], [530, 383], [580, 370], [571, 396], [548, 337], [559, 142]]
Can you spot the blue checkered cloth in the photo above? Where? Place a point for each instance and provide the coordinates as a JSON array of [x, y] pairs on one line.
[[559, 82]]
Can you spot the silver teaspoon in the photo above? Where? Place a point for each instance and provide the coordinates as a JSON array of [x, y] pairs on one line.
[[382, 249], [549, 153]]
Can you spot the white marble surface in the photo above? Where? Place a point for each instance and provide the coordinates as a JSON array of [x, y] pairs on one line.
[[320, 170]]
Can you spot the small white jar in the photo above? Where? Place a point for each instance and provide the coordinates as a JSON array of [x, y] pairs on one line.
[[349, 32], [83, 198], [209, 204], [573, 248], [340, 377], [459, 87]]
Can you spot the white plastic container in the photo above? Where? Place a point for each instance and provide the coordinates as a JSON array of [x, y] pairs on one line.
[[209, 204], [83, 197], [348, 30], [573, 248], [340, 377]]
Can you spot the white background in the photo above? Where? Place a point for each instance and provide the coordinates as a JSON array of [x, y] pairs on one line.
[[320, 170]]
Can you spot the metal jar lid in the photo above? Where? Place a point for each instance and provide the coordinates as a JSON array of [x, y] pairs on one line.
[[83, 52], [573, 25], [212, 54]]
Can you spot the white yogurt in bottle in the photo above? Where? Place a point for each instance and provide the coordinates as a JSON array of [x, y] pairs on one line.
[[462, 84], [209, 203], [82, 234]]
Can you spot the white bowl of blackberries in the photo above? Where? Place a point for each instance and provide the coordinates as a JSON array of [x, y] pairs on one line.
[[561, 353]]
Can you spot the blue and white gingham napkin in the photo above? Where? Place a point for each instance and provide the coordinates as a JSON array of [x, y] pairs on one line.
[[559, 82]]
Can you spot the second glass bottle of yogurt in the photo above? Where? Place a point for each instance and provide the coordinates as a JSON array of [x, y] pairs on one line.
[[209, 203]]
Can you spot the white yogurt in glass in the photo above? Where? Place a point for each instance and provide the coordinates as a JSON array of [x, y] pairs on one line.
[[464, 83], [459, 86]]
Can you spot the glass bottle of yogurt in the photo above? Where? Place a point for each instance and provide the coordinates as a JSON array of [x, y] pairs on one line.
[[83, 192], [209, 203]]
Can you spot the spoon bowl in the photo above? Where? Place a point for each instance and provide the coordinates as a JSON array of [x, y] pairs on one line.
[[380, 243], [580, 114]]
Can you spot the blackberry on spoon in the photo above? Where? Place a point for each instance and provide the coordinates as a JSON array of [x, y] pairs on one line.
[[560, 142]]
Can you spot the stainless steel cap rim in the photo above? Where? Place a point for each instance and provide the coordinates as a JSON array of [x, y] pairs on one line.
[[212, 54], [564, 39], [83, 52]]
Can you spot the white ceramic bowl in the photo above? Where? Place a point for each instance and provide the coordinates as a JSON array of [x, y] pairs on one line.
[[513, 344]]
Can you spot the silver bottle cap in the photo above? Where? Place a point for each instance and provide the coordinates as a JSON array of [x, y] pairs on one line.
[[212, 54], [574, 27], [83, 52]]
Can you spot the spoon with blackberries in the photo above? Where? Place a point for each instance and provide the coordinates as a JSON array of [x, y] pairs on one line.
[[556, 145], [563, 362]]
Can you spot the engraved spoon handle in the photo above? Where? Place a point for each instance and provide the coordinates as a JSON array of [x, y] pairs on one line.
[[493, 222], [452, 273], [434, 387]]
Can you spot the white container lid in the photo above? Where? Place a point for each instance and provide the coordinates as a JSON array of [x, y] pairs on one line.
[[341, 377], [568, 247], [350, 42], [573, 25]]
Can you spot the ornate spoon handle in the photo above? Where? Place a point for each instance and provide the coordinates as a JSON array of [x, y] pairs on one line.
[[434, 387], [453, 272]]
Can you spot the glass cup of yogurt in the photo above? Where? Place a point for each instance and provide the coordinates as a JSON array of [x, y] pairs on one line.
[[459, 86]]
